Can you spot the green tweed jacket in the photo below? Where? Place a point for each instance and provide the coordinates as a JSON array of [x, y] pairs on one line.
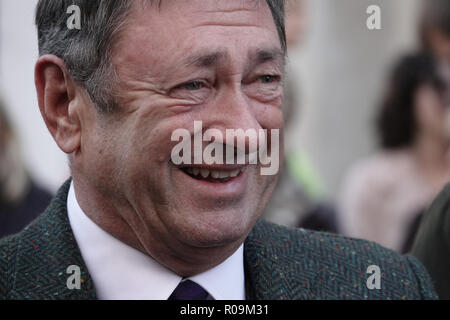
[[280, 263]]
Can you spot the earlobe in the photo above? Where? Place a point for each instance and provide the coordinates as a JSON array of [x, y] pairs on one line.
[[58, 100]]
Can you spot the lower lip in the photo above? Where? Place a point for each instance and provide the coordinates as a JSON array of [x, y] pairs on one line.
[[220, 190]]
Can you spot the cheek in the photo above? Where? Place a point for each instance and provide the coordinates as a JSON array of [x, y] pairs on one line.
[[269, 116], [148, 138], [437, 116], [430, 113], [147, 152]]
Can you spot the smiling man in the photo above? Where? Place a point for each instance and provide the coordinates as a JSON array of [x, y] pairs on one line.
[[135, 224]]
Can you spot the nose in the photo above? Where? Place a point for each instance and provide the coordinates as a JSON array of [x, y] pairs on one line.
[[232, 114]]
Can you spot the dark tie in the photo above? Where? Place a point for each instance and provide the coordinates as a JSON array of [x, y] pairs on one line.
[[189, 290]]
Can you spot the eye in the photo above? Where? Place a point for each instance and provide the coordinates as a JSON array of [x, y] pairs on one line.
[[192, 86], [195, 91], [269, 79], [264, 87]]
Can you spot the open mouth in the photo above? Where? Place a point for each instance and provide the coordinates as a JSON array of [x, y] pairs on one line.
[[213, 175]]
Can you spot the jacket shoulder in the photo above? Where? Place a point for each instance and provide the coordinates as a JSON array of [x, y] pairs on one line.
[[35, 260], [8, 254], [337, 267], [24, 257]]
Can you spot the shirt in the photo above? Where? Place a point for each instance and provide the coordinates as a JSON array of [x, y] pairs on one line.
[[121, 272]]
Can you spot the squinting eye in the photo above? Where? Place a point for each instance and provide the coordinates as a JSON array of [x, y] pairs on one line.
[[269, 79], [192, 86], [195, 91]]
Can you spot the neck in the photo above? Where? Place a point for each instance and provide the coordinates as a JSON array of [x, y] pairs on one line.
[[430, 152], [122, 222]]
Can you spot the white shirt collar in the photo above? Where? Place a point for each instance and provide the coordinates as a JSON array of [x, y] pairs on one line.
[[120, 272]]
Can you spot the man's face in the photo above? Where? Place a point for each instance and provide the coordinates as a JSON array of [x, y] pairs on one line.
[[219, 62]]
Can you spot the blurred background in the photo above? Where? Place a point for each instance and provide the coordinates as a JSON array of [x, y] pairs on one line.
[[338, 74], [18, 54]]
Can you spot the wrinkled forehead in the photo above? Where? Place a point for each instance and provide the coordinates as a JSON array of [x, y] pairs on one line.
[[205, 5], [166, 33], [203, 12]]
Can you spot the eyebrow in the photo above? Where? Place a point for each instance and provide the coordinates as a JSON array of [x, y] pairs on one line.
[[264, 55], [208, 59], [205, 59]]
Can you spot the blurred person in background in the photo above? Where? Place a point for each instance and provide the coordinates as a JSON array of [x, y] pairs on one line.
[[20, 198], [432, 243], [296, 199], [383, 197], [435, 29], [435, 36]]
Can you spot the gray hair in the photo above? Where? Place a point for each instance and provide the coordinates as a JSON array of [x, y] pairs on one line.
[[87, 52]]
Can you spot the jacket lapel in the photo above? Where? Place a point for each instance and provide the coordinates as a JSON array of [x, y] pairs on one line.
[[272, 272]]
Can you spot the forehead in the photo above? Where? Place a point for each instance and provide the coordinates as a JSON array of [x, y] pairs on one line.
[[201, 12], [176, 28]]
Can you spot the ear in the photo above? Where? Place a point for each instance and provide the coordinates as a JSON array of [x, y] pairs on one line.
[[59, 99]]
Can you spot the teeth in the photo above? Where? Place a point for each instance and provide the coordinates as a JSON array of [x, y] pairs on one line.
[[224, 174], [204, 173], [234, 173], [216, 174]]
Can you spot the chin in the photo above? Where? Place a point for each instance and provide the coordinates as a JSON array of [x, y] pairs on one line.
[[213, 229]]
